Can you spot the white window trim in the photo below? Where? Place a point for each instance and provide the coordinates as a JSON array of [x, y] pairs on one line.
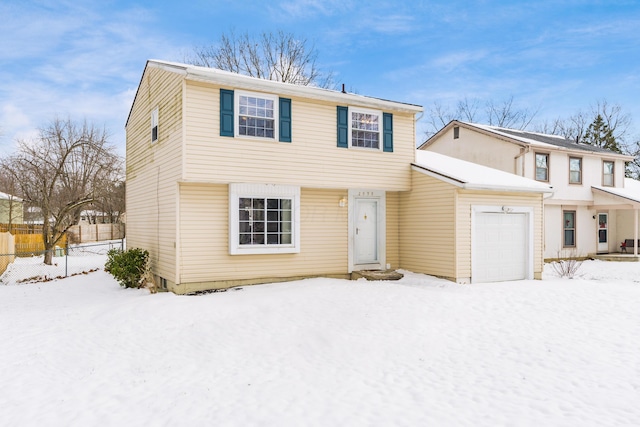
[[380, 126], [236, 191], [236, 114], [154, 123]]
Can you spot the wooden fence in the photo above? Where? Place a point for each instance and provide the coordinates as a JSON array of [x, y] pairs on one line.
[[6, 250], [31, 244], [95, 232], [21, 228]]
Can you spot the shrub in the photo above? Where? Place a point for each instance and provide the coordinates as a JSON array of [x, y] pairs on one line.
[[127, 267], [567, 266]]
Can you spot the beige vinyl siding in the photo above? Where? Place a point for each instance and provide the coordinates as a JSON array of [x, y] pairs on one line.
[[393, 229], [466, 199], [476, 147], [312, 159], [204, 255], [153, 169], [427, 227]]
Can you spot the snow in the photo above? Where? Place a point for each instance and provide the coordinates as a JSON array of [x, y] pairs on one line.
[[496, 129], [323, 352], [475, 176], [631, 190]]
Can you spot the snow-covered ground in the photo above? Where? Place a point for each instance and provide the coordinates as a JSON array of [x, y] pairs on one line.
[[82, 351]]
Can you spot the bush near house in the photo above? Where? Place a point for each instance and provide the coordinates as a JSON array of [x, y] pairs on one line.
[[128, 267]]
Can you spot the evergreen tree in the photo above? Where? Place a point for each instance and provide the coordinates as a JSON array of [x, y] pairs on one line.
[[599, 134]]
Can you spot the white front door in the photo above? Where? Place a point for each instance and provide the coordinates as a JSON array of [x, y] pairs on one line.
[[366, 231], [603, 233]]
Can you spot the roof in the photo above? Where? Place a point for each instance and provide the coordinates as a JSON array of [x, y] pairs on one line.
[[534, 139], [5, 196], [235, 80], [629, 193], [472, 176]]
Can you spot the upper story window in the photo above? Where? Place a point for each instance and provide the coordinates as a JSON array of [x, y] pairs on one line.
[[256, 115], [365, 127], [575, 170], [607, 173], [542, 167], [154, 125], [456, 132]]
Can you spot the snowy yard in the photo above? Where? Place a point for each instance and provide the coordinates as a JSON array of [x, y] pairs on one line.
[[419, 352]]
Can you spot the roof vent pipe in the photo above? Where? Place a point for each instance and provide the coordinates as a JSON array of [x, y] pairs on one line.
[[343, 91]]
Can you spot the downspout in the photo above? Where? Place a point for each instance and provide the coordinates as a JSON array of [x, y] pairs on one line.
[[523, 151]]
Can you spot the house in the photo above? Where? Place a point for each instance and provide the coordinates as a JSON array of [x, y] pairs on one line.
[[470, 223], [233, 180], [593, 208], [11, 209]]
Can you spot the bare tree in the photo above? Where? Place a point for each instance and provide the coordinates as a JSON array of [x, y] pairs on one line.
[[11, 206], [111, 200], [502, 114], [60, 171], [505, 115], [272, 56]]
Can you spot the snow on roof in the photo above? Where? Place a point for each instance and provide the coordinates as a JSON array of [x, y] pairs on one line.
[[473, 176], [282, 87], [5, 196], [630, 191], [543, 140]]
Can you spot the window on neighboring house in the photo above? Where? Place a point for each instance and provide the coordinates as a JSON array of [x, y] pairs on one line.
[[257, 115], [607, 173], [542, 167], [154, 125], [456, 132], [365, 128], [264, 219], [569, 226], [575, 170]]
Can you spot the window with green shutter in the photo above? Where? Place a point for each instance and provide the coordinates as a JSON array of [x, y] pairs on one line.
[[226, 112], [285, 120], [362, 128]]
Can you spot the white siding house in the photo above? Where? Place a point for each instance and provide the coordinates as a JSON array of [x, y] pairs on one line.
[[586, 214]]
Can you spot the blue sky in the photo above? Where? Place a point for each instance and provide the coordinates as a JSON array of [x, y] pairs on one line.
[[83, 59]]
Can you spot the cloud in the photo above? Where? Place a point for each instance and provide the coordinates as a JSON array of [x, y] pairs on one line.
[[300, 9], [71, 61]]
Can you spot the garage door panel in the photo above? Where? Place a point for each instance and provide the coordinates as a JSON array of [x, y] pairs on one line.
[[500, 246]]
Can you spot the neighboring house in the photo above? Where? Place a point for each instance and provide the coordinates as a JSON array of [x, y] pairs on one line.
[[234, 180], [594, 207], [11, 209]]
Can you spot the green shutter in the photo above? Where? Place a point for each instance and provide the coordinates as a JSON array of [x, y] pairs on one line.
[[285, 120], [387, 132], [343, 127], [226, 112]]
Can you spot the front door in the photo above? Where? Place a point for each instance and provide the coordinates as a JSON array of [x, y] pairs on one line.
[[366, 231], [603, 233]]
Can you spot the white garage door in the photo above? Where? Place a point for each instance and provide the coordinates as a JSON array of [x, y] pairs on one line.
[[499, 247]]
